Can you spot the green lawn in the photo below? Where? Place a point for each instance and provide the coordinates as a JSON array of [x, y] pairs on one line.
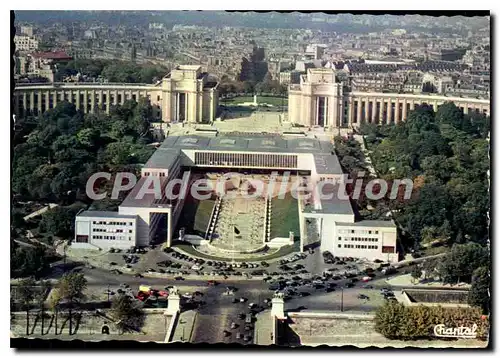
[[284, 217], [195, 216]]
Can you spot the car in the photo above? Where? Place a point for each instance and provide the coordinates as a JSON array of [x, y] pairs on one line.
[[243, 299], [363, 297], [368, 287], [242, 315], [138, 275], [233, 325], [264, 264], [212, 283], [239, 335], [235, 300], [179, 278], [247, 338], [349, 285], [226, 333], [150, 270]]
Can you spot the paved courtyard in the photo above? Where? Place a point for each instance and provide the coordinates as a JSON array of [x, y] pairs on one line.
[[247, 216]]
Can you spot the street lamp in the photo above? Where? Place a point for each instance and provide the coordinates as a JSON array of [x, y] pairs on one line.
[[342, 300]]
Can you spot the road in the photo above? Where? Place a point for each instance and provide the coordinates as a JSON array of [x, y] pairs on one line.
[[218, 311]]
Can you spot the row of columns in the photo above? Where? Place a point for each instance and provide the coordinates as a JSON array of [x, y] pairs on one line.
[[401, 109], [90, 97]]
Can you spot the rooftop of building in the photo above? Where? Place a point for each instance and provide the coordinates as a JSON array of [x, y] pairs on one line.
[[163, 158], [104, 214], [262, 144], [320, 70], [51, 55], [327, 164], [188, 67], [148, 200]]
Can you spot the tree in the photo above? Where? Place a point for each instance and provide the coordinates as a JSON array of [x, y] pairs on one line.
[[58, 221], [127, 314], [396, 321], [40, 298], [389, 319], [479, 294], [26, 293], [460, 263], [70, 288], [54, 302], [416, 272], [429, 267], [29, 261]]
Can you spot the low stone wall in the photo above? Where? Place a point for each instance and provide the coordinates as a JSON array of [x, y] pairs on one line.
[[251, 251], [171, 328]]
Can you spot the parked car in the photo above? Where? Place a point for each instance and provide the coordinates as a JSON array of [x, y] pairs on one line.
[[179, 278]]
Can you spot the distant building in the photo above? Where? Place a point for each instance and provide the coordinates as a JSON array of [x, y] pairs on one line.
[[90, 34], [314, 52], [446, 54], [27, 30], [303, 66], [321, 100], [25, 43], [289, 77], [186, 94]]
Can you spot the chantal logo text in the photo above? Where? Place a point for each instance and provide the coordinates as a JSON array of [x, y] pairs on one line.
[[441, 330]]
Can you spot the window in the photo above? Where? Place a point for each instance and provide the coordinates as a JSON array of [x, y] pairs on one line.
[[340, 246], [376, 232], [340, 238], [82, 238], [352, 231], [388, 249], [370, 232]]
